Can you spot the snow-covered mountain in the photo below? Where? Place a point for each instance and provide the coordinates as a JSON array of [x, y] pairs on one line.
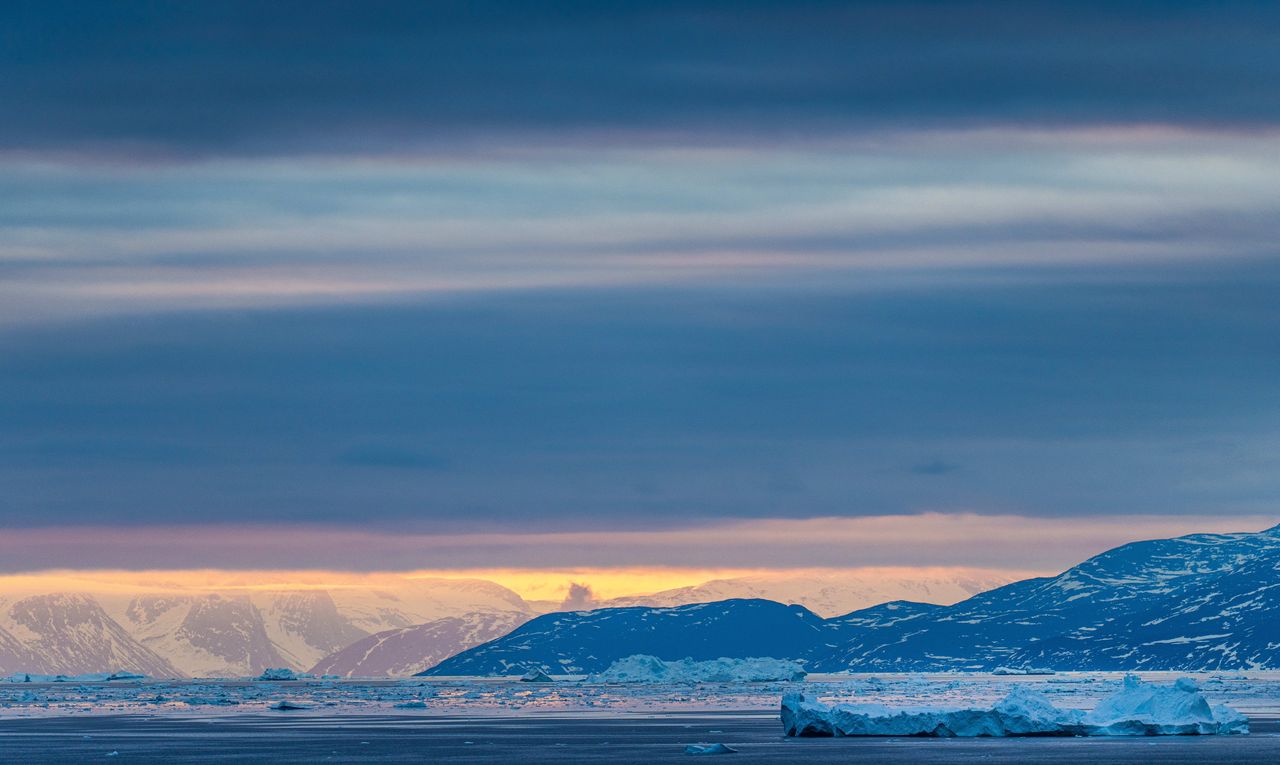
[[70, 633], [209, 635], [589, 641], [1205, 601], [830, 594], [237, 632], [408, 650]]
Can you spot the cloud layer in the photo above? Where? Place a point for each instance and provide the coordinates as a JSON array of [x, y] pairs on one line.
[[237, 77], [557, 268]]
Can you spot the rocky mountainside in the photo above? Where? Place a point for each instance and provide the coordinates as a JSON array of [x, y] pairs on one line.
[[70, 633], [589, 641], [408, 650], [1205, 601]]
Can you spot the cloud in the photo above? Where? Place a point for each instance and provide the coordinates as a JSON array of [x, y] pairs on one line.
[[579, 598], [82, 241], [233, 78], [990, 542], [1075, 393]]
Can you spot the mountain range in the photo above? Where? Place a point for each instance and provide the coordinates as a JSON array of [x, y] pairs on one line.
[[1199, 602], [239, 632], [379, 626], [829, 594], [1205, 601]]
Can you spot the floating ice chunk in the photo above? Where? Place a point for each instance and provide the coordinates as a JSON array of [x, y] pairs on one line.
[[536, 675], [122, 675], [415, 704], [641, 668], [1022, 671], [1137, 710], [709, 749], [278, 673], [286, 706]]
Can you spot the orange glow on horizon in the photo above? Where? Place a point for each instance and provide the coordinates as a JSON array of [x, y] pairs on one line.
[[531, 584]]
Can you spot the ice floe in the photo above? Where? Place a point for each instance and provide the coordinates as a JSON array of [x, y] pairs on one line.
[[1137, 710], [536, 675], [709, 749], [641, 668]]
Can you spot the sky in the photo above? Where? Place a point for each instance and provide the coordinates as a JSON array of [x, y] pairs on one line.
[[567, 285]]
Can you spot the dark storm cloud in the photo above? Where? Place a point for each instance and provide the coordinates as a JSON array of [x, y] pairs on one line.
[[237, 77], [1083, 392]]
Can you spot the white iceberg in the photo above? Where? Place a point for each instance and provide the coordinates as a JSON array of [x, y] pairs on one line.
[[1137, 710], [278, 673], [1141, 709], [641, 668]]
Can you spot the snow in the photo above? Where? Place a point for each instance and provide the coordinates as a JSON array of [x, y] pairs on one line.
[[1138, 709], [641, 668]]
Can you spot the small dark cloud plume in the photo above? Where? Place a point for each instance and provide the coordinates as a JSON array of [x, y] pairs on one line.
[[934, 466], [580, 597]]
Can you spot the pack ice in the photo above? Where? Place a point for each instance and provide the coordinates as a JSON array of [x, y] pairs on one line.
[[641, 668], [1139, 709]]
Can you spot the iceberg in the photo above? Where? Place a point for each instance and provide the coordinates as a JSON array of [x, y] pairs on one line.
[[641, 668], [123, 675], [278, 673], [709, 749], [536, 675], [1139, 709]]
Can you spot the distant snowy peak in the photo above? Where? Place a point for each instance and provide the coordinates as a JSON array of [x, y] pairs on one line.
[[70, 633], [209, 635], [829, 594], [408, 650], [234, 633]]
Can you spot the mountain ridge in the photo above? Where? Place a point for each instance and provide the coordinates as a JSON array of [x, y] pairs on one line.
[[1196, 602]]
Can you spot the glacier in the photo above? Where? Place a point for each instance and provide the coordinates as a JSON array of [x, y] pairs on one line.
[[1138, 709]]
